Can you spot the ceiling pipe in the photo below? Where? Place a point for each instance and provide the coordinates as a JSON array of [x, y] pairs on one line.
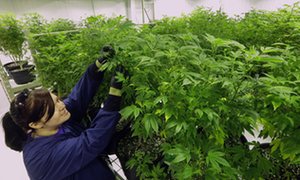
[[143, 15]]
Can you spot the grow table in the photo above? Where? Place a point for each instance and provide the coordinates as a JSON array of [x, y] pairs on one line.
[[10, 90]]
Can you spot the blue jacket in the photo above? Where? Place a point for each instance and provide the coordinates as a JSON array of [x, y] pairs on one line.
[[74, 152]]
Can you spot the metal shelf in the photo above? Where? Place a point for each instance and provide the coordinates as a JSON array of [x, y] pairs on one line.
[[10, 90]]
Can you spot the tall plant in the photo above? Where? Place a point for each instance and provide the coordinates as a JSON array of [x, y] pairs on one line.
[[34, 23], [60, 49], [12, 37], [191, 95]]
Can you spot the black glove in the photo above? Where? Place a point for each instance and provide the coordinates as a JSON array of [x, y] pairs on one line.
[[113, 102], [115, 83], [106, 52]]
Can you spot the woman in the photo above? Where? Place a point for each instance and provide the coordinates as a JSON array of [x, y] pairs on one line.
[[54, 143]]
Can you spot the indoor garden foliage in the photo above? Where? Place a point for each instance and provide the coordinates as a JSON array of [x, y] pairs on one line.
[[196, 83]]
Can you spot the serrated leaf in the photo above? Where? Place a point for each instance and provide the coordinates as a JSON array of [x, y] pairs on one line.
[[210, 114], [226, 84], [186, 82], [276, 104], [282, 90], [219, 135], [179, 158], [194, 75], [159, 54], [120, 77], [296, 160], [218, 42], [222, 161], [150, 122], [291, 121], [171, 124], [168, 111], [264, 164], [154, 124], [161, 99], [126, 112], [215, 159], [276, 144], [147, 125], [237, 44], [136, 112], [187, 172], [130, 111], [270, 49], [180, 154], [146, 61], [178, 128], [266, 58], [199, 112]]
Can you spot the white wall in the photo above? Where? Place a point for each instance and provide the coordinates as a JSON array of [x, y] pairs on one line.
[[230, 7], [78, 9], [178, 7], [71, 9], [238, 7]]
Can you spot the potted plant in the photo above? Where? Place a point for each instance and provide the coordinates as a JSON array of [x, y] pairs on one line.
[[12, 38]]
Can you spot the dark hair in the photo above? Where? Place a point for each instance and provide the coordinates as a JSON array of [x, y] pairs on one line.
[[26, 107]]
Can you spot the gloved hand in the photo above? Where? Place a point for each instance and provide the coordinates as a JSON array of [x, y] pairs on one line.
[[113, 102], [106, 52], [115, 84]]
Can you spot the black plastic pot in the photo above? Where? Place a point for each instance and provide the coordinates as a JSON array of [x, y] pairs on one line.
[[15, 65], [24, 75]]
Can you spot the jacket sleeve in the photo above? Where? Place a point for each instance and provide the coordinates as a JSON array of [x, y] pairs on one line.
[[81, 95], [72, 154]]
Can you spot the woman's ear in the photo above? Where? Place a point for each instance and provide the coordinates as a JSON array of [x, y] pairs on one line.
[[36, 125]]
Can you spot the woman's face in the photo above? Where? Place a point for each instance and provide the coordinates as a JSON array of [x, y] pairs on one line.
[[61, 114]]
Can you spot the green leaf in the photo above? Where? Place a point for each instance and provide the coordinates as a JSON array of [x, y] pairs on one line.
[[154, 124], [187, 172], [146, 61], [282, 90], [227, 84], [150, 122], [215, 159], [136, 112], [296, 160], [186, 81], [171, 124], [159, 54], [276, 104], [264, 165], [168, 111], [211, 114], [147, 125], [270, 49], [161, 99], [119, 76], [130, 111], [218, 42], [266, 58], [180, 154], [178, 128], [199, 112], [219, 135], [179, 157], [276, 143]]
